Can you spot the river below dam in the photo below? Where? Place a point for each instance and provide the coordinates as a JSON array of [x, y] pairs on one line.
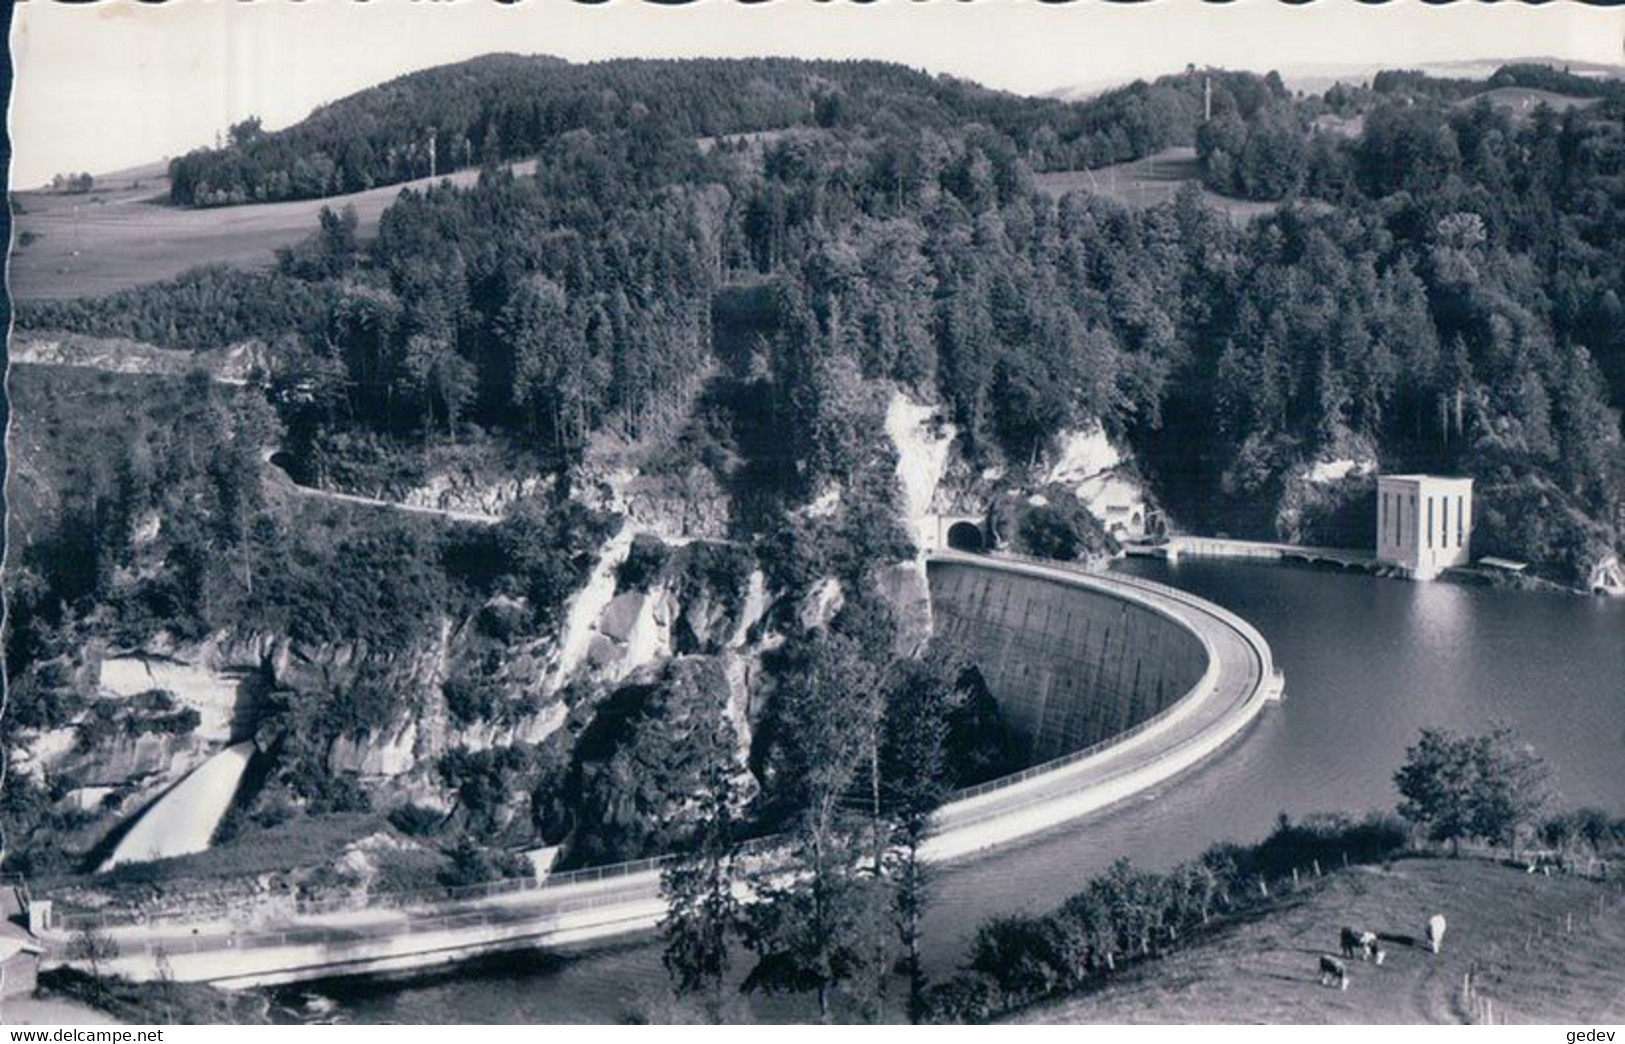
[[1368, 663]]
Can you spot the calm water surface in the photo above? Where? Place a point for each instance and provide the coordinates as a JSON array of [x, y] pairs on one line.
[[1368, 662]]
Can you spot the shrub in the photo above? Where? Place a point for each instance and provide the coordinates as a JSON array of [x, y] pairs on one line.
[[165, 1002], [646, 559], [1058, 526], [472, 864], [416, 820], [472, 697], [967, 998], [1023, 955]]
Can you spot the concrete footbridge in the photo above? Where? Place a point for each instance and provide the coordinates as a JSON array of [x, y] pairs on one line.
[[1177, 547], [1113, 684]]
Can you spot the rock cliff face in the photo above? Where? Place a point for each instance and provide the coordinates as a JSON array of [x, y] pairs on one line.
[[217, 683], [665, 588], [144, 760], [1098, 472], [231, 365], [698, 599], [384, 752]]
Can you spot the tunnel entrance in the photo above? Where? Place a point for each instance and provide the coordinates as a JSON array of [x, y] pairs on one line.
[[966, 536]]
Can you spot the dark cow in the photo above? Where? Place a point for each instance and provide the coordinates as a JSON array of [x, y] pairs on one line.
[[1334, 972], [1356, 943]]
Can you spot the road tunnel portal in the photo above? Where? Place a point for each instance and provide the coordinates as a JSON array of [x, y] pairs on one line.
[[966, 536]]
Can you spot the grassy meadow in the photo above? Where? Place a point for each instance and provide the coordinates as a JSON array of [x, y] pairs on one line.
[[1541, 950]]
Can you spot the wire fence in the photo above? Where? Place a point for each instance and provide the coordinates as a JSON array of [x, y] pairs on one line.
[[1545, 941]]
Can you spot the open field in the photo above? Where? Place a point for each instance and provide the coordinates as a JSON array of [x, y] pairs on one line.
[[125, 233], [1148, 182], [1508, 928], [1523, 101]]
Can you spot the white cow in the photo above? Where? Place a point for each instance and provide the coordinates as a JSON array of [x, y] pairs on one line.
[[1436, 928]]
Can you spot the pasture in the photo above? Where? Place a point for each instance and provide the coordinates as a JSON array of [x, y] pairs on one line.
[[1149, 182], [1540, 950], [124, 232]]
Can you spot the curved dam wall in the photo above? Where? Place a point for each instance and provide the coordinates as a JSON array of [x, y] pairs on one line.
[[1068, 665]]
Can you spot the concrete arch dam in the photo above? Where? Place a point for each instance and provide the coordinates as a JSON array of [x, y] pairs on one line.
[[1113, 684], [1069, 664]]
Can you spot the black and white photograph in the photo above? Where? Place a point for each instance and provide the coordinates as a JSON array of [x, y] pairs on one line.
[[720, 513]]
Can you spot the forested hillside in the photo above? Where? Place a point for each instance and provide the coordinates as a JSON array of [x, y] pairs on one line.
[[502, 107], [1451, 300]]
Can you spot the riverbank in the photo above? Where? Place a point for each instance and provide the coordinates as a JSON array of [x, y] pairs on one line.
[[69, 997], [1519, 935]]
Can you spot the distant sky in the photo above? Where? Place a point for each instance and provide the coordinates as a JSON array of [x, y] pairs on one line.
[[115, 84]]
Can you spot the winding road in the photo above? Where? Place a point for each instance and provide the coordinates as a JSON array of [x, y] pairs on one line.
[[277, 478]]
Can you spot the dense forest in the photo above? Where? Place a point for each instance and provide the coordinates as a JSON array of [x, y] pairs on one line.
[[1442, 295]]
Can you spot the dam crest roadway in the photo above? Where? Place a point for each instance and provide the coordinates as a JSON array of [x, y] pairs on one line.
[[1113, 684]]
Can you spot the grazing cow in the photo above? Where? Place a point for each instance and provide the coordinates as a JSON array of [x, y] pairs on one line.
[[1356, 943], [1369, 948], [1436, 931], [1334, 972]]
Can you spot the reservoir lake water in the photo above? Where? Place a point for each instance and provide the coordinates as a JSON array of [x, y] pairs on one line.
[[1368, 661]]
